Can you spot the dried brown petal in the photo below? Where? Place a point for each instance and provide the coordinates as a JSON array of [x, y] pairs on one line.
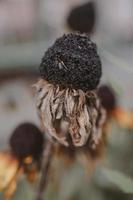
[[80, 111]]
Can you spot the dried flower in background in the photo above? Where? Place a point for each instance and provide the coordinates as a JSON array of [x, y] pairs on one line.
[[26, 143], [108, 98], [82, 18], [27, 140], [109, 102]]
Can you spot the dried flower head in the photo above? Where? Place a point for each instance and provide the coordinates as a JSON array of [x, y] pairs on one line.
[[82, 18], [27, 141], [67, 103]]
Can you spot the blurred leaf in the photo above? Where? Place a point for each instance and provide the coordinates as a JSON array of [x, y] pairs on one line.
[[24, 190], [118, 62], [116, 87], [71, 182], [120, 180]]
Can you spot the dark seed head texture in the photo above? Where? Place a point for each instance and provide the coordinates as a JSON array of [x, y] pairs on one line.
[[26, 140], [72, 62]]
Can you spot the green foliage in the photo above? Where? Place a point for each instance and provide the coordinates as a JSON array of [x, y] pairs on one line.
[[123, 182]]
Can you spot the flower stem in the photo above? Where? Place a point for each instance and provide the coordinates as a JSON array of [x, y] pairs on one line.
[[47, 157]]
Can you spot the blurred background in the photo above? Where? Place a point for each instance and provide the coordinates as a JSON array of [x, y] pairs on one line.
[[27, 29]]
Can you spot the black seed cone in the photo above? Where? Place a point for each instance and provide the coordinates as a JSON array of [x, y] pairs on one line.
[[108, 97], [72, 62], [82, 18], [27, 140]]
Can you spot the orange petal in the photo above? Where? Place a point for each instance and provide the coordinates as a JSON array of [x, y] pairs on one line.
[[8, 168]]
